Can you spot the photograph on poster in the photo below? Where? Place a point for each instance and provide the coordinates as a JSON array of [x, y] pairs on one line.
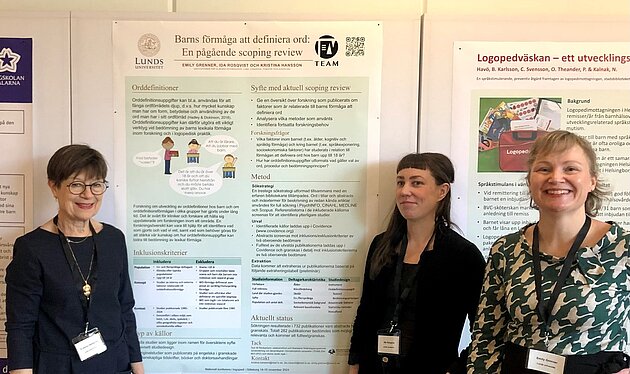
[[509, 126]]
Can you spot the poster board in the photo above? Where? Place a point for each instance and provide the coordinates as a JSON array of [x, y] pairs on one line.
[[245, 152]]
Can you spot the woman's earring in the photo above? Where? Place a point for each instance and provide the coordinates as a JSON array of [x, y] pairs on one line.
[[532, 204]]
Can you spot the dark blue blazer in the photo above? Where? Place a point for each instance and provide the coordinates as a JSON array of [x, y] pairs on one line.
[[44, 310]]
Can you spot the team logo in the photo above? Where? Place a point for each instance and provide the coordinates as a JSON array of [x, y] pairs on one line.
[[149, 45], [326, 47], [8, 60]]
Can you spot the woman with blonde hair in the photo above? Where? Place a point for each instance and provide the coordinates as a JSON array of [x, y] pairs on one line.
[[556, 294]]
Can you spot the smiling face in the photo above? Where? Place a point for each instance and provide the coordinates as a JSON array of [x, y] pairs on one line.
[[76, 208], [418, 194], [561, 182]]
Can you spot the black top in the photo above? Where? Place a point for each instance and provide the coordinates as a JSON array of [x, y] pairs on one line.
[[44, 311], [407, 319], [447, 289]]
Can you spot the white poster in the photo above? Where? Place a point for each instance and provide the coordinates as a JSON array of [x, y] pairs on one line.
[[246, 174], [506, 94], [16, 167]]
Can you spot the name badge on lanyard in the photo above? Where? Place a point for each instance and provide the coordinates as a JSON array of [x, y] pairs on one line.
[[389, 341], [545, 362], [89, 344]]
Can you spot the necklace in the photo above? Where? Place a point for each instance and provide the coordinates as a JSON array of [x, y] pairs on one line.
[[87, 289], [77, 241]]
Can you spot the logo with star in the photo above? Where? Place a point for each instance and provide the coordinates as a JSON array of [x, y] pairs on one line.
[[8, 60]]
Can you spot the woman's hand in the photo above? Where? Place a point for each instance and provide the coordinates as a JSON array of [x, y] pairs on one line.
[[21, 371], [354, 369], [624, 371], [137, 368]]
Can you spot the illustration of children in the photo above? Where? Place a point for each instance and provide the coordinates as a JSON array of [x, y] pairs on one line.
[[193, 152], [168, 145], [229, 171]]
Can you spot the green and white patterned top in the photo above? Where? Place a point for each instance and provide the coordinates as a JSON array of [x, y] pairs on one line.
[[590, 316]]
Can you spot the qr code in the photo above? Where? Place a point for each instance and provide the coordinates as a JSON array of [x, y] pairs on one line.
[[355, 46]]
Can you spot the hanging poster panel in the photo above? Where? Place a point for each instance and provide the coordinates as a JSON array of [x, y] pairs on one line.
[[246, 172], [505, 95], [16, 169]]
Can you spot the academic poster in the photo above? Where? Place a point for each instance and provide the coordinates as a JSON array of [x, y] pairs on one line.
[[506, 94], [245, 181], [16, 167]]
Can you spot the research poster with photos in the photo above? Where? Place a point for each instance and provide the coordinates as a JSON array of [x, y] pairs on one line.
[[506, 95], [246, 185], [16, 168]]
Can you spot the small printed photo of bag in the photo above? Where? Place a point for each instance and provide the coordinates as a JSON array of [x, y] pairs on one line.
[[514, 148]]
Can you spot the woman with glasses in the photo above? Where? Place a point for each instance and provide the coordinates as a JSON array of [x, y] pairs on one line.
[[69, 299]]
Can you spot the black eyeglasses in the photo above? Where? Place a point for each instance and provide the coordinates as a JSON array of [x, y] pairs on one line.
[[97, 188]]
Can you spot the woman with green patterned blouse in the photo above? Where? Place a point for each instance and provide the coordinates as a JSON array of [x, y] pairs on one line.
[[556, 294]]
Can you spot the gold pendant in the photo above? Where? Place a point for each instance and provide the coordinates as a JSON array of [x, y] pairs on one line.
[[87, 290]]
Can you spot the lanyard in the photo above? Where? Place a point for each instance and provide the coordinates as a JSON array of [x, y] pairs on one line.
[[544, 309], [74, 268], [402, 296]]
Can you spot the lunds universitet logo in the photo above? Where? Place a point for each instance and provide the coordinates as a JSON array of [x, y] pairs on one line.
[[149, 45]]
